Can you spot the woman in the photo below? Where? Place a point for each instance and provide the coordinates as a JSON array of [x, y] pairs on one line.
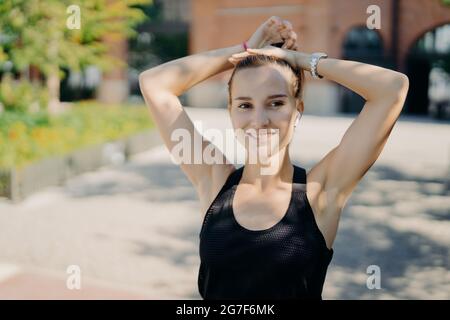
[[271, 235]]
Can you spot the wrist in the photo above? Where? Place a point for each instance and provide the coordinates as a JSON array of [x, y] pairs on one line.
[[238, 48], [251, 44], [255, 43], [245, 46], [302, 60]]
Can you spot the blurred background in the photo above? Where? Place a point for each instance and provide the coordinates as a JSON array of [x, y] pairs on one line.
[[89, 195]]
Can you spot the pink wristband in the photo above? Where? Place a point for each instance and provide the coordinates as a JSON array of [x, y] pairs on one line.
[[245, 45]]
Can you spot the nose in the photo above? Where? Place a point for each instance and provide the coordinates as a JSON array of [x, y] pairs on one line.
[[261, 119]]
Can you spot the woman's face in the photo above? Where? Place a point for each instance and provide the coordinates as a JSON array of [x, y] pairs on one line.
[[263, 108]]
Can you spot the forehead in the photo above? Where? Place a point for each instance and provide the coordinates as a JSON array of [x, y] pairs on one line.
[[260, 81]]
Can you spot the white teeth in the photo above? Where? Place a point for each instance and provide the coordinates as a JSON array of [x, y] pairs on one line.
[[260, 133]]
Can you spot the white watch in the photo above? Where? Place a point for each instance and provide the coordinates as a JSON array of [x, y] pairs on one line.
[[315, 57]]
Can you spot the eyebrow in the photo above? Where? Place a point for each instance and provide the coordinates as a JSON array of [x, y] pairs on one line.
[[269, 97]]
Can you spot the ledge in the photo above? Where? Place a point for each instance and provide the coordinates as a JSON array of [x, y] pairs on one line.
[[17, 184]]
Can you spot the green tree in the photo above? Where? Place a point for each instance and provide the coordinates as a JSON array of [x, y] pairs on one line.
[[36, 32]]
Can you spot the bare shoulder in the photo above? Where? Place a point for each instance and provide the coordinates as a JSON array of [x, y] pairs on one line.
[[208, 189]]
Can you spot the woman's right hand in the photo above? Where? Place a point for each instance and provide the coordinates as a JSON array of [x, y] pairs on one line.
[[274, 30]]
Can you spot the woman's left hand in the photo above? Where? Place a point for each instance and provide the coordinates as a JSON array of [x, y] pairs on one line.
[[274, 30], [285, 54]]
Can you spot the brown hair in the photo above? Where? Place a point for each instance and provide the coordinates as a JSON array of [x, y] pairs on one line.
[[254, 61]]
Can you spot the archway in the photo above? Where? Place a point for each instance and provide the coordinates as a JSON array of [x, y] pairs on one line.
[[428, 69], [363, 45]]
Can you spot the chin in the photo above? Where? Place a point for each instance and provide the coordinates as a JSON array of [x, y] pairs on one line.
[[263, 151]]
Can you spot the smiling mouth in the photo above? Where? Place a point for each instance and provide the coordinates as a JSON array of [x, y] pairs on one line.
[[262, 137], [260, 134]]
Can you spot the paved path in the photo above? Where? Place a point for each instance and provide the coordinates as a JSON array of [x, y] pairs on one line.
[[135, 226]]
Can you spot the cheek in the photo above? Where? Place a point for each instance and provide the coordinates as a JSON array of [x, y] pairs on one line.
[[282, 120], [285, 125], [239, 119]]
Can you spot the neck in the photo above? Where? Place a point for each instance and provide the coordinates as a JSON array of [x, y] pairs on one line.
[[277, 169]]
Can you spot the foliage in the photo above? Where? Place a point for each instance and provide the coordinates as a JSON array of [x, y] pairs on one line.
[[37, 34], [21, 95], [28, 137]]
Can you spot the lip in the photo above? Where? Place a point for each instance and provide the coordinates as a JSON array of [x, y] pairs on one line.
[[252, 133], [262, 138]]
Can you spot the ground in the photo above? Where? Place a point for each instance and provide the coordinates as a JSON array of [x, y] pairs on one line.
[[133, 229]]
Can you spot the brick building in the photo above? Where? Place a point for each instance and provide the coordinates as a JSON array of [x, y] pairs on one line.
[[115, 85], [337, 27]]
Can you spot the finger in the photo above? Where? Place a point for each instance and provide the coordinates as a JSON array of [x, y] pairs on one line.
[[243, 53], [292, 40], [281, 28], [274, 22], [286, 32], [276, 38], [293, 35], [260, 52], [293, 45], [232, 61], [294, 48], [250, 50], [240, 55], [285, 28], [264, 50], [276, 19], [271, 21], [287, 44], [287, 24]]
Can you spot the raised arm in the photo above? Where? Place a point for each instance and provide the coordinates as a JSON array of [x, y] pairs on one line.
[[161, 87], [384, 91]]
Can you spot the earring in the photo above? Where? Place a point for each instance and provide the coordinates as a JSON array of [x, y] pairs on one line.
[[299, 115]]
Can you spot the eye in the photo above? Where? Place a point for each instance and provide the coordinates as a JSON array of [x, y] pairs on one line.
[[277, 103], [244, 104]]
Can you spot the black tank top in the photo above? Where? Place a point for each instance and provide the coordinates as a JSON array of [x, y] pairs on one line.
[[286, 261]]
